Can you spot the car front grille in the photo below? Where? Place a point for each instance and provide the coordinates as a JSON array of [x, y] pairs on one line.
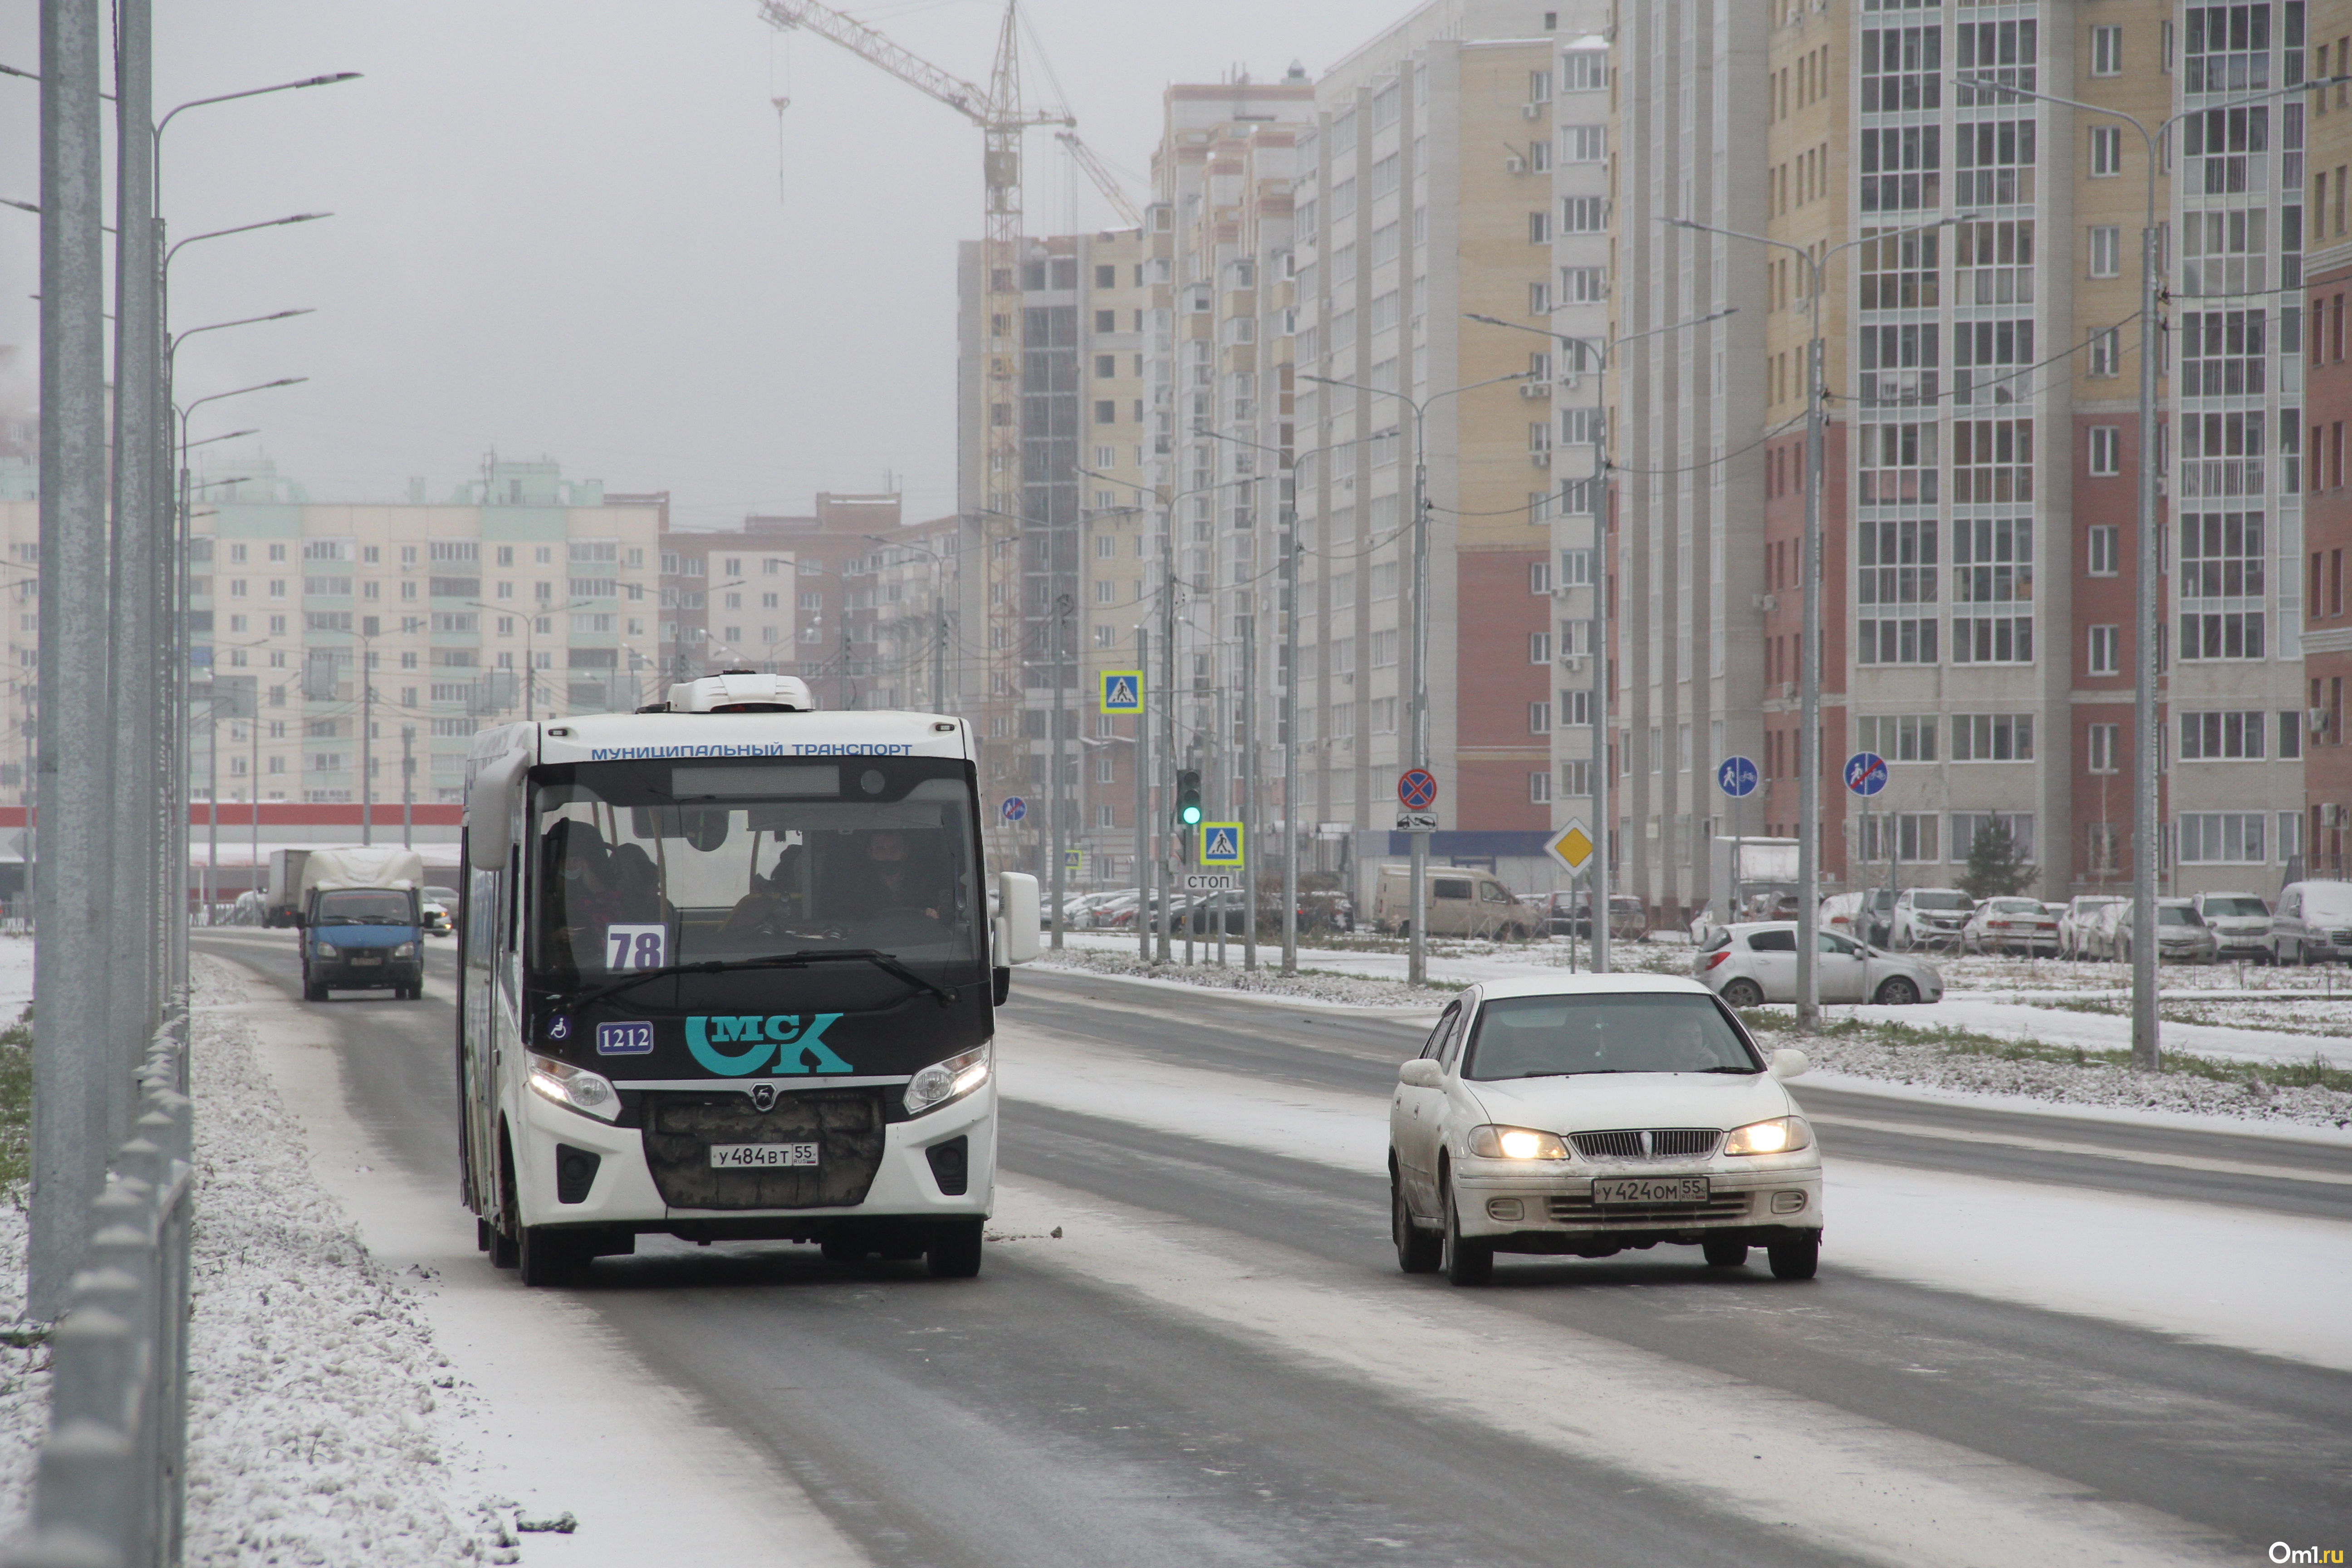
[[1578, 1208], [1648, 1143], [846, 1124]]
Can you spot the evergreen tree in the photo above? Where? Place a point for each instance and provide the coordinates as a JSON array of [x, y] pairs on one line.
[[1997, 869]]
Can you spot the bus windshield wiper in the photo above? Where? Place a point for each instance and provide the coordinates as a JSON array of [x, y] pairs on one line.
[[882, 961]]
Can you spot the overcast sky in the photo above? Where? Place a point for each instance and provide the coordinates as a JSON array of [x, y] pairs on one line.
[[579, 228]]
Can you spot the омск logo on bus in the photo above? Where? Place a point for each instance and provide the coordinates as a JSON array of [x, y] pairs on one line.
[[793, 1040]]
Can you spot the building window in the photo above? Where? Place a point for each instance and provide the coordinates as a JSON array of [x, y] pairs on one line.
[[2105, 358], [1540, 788], [1968, 826], [2106, 151], [2106, 251], [1898, 463], [2220, 586], [2107, 451], [2222, 837], [1538, 648], [2101, 544], [1993, 737], [1992, 461], [2102, 748], [2232, 736], [2222, 353], [1584, 215], [1583, 144], [2290, 735], [2106, 52], [1994, 264], [1584, 70], [1902, 69], [1583, 285], [2106, 650], [1575, 708], [1896, 594], [1538, 717], [1994, 164], [1900, 737], [1992, 591]]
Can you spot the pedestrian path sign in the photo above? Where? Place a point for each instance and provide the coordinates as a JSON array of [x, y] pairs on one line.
[[1122, 691], [1221, 844]]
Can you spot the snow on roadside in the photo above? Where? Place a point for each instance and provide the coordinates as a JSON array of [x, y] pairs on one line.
[[320, 1410], [1927, 1065], [16, 976]]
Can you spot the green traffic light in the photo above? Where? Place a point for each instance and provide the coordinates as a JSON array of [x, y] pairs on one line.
[[1192, 814]]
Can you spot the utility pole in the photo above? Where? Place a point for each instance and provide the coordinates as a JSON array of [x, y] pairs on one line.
[[1248, 813], [1060, 719], [1174, 841], [1290, 731], [1145, 834], [1416, 966], [367, 743], [408, 786], [137, 834], [75, 1081]]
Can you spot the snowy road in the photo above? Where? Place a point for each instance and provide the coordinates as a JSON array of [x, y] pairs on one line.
[[2035, 1338]]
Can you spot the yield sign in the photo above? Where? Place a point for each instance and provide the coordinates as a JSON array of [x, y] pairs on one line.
[[1571, 845], [1416, 789]]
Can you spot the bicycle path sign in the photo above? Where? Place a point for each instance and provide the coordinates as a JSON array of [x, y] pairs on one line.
[[1737, 777]]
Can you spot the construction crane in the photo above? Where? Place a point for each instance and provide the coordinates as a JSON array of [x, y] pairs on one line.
[[998, 111], [1104, 181]]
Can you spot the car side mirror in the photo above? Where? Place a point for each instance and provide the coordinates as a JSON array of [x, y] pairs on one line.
[[1791, 1063], [1422, 1072]]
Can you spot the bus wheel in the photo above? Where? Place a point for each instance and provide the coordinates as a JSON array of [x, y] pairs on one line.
[[954, 1252]]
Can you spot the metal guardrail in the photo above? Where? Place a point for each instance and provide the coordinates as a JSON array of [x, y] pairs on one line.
[[111, 1485]]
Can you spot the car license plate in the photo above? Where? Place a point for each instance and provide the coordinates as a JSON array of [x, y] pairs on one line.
[[761, 1156], [367, 958], [1651, 1190]]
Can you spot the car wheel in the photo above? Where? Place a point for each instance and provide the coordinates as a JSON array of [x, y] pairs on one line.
[[1796, 1260], [1725, 1254], [1742, 992], [954, 1252], [313, 993], [549, 1257], [1466, 1262], [1897, 991], [1418, 1251]]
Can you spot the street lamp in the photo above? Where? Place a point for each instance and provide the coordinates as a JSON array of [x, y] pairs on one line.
[[2146, 743], [1597, 886], [1808, 736], [1417, 955]]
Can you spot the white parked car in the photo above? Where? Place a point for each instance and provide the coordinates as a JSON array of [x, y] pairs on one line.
[[1929, 917], [2083, 913], [2240, 923], [1755, 962], [2011, 925], [2313, 923], [2181, 934], [1583, 1115]]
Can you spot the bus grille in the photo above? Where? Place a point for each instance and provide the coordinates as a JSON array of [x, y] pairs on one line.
[[846, 1124], [1652, 1144]]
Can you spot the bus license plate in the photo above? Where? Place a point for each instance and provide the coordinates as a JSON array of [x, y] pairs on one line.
[[761, 1156], [1651, 1190]]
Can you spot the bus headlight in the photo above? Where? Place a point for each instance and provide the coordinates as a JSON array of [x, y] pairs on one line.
[[574, 1089], [940, 1082]]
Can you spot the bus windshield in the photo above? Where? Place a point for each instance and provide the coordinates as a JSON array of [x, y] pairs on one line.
[[648, 865]]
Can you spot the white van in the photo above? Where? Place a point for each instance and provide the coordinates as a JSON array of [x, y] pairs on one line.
[[1461, 903]]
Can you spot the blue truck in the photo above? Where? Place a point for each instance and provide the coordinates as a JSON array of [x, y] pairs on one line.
[[362, 922]]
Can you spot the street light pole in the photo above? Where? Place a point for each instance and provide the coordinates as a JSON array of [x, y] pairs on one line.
[[1417, 844], [1809, 732]]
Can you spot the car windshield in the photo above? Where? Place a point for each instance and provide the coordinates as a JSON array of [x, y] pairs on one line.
[[645, 865], [364, 907], [1940, 901], [1546, 1037], [2226, 909], [2176, 915]]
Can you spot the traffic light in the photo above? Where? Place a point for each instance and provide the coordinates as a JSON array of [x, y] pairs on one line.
[[1188, 797]]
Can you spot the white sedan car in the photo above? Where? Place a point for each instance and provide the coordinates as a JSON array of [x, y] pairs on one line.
[[1585, 1115], [1752, 963]]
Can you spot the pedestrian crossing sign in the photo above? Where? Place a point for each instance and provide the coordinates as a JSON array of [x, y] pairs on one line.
[[1221, 844], [1122, 691]]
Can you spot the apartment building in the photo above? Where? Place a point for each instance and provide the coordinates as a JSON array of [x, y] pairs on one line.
[[1424, 199], [1980, 296], [2328, 396], [521, 595], [1026, 608], [850, 598]]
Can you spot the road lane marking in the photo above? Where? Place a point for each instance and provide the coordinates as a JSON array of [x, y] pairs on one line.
[[2096, 1151], [1855, 1485]]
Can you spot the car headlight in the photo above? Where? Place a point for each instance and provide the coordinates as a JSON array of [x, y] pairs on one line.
[[407, 950], [1492, 1142], [1782, 1135], [322, 949], [940, 1082], [574, 1089]]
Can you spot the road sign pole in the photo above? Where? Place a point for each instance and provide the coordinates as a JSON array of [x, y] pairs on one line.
[[1143, 826]]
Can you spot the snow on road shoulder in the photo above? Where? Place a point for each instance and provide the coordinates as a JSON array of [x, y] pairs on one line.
[[2272, 1283], [319, 1423]]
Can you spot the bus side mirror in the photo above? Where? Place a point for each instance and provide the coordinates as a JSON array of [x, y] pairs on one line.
[[489, 813], [1016, 917]]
